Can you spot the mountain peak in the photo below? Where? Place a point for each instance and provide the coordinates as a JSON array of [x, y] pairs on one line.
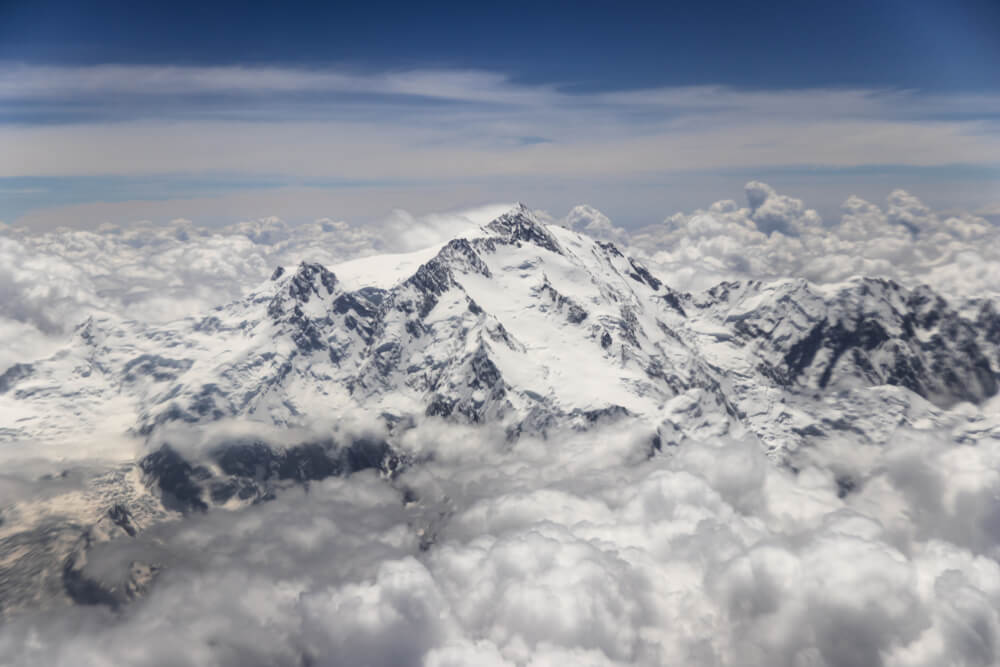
[[521, 225], [309, 279]]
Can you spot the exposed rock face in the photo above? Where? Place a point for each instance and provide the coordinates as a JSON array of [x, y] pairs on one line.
[[252, 471], [871, 331]]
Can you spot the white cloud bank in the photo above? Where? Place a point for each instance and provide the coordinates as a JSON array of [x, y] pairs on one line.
[[577, 550], [777, 236]]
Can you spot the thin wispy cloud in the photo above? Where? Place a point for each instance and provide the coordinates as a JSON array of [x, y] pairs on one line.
[[25, 82], [457, 128], [181, 119]]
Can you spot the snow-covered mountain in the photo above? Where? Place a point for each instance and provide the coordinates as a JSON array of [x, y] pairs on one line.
[[528, 327], [527, 324]]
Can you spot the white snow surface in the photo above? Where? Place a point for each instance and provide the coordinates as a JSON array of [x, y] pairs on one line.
[[383, 271]]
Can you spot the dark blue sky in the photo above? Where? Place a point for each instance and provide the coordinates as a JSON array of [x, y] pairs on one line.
[[940, 45]]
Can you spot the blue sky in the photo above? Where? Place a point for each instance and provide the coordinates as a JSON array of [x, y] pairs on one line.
[[213, 111], [590, 45]]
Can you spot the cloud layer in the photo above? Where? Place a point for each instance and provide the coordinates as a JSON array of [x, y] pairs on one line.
[[453, 127], [577, 549], [777, 236]]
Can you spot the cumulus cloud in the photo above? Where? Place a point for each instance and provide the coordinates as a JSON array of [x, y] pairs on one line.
[[777, 236], [778, 213], [588, 220], [576, 549]]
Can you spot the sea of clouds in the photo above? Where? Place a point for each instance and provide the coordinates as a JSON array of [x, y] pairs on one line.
[[577, 549], [777, 236]]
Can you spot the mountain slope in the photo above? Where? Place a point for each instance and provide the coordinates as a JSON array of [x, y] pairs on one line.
[[527, 324]]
